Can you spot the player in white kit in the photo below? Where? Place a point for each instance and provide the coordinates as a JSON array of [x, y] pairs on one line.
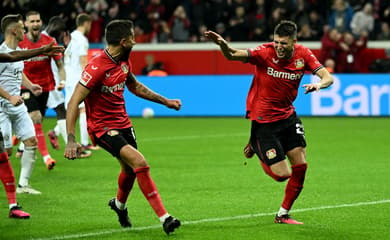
[[75, 59], [16, 118]]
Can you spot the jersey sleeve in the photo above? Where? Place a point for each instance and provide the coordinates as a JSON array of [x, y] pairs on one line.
[[313, 64], [83, 48], [257, 55], [91, 76]]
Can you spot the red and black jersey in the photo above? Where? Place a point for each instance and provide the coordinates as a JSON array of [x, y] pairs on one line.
[[38, 68], [105, 104], [276, 81]]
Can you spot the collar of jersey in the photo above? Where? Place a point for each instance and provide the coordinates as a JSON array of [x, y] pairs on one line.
[[109, 55]]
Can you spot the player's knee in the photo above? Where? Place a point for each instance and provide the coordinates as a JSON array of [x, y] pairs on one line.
[[31, 142]]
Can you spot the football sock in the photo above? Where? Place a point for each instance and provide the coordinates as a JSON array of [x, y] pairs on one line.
[[163, 217], [149, 190], [125, 184], [60, 129], [282, 211], [120, 205], [7, 178], [294, 185], [41, 139], [21, 146], [27, 165], [84, 138]]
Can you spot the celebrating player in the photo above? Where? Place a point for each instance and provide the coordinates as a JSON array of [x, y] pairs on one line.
[[38, 70], [101, 88], [276, 130]]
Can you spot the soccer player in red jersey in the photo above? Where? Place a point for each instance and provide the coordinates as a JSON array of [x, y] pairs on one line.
[[101, 88], [276, 130], [38, 70]]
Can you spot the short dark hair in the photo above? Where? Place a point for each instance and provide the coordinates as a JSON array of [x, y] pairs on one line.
[[29, 13], [82, 18], [56, 26], [10, 19], [286, 29], [117, 30]]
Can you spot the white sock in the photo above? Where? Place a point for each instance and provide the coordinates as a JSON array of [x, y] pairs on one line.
[[21, 146], [12, 205], [61, 128], [163, 217], [120, 205], [27, 165], [46, 157], [84, 138], [282, 211]]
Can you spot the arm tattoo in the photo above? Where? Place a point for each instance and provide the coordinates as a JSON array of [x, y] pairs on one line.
[[144, 92]]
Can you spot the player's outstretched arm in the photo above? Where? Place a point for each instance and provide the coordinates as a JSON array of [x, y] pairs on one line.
[[72, 147], [25, 54], [229, 52], [140, 90], [326, 81]]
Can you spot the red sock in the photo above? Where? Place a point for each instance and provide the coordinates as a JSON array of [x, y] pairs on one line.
[[125, 184], [41, 139], [149, 190], [294, 185], [8, 178]]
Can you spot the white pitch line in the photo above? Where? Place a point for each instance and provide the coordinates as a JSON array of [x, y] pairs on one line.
[[220, 219], [192, 137]]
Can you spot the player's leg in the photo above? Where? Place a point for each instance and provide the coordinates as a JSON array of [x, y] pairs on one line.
[[56, 101], [60, 128], [8, 179], [265, 143], [294, 144], [36, 106], [132, 161], [24, 130], [84, 137]]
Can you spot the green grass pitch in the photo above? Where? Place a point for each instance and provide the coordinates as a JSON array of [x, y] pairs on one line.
[[198, 166]]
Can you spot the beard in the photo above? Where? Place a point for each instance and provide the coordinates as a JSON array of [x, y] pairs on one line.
[[126, 54]]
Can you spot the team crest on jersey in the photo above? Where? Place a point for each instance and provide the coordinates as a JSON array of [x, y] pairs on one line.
[[26, 95], [112, 133], [299, 63], [85, 77], [271, 153], [125, 68]]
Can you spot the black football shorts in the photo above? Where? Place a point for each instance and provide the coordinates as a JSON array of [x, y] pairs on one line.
[[35, 103], [114, 139], [271, 141]]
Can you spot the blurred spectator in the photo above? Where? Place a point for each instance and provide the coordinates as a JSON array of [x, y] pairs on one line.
[[198, 36], [221, 30], [316, 23], [238, 29], [330, 44], [305, 33], [98, 6], [349, 58], [158, 70], [363, 20], [150, 64], [97, 24], [287, 8], [385, 32], [341, 16], [180, 25], [272, 22], [162, 32], [140, 36], [330, 65]]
